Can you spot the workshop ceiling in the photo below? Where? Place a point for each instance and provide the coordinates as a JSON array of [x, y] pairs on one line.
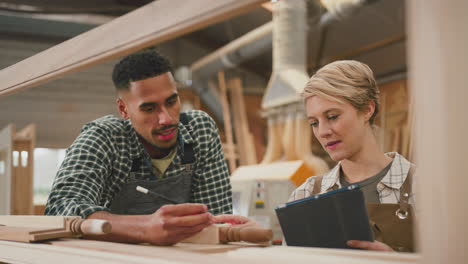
[[374, 34]]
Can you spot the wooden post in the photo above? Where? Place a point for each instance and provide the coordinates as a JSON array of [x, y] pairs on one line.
[[23, 171], [229, 147], [244, 138], [6, 150], [438, 65], [274, 147], [289, 135]]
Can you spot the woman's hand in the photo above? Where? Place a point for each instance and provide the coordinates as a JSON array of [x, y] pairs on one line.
[[376, 245], [237, 220]]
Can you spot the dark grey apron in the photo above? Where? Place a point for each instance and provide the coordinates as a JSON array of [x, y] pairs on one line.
[[168, 190]]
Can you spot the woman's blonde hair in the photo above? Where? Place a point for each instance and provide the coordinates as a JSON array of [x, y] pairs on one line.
[[345, 80]]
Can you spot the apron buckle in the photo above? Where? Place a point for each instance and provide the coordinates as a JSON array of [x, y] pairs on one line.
[[400, 214]]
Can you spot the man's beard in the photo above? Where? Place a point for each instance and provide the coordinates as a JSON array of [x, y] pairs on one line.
[[164, 149]]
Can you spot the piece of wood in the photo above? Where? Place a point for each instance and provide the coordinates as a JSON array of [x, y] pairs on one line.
[[289, 136], [185, 252], [22, 183], [230, 147], [209, 235], [274, 146], [282, 254], [14, 252], [438, 78], [396, 132], [28, 234], [6, 150], [244, 138], [153, 23], [229, 234], [34, 221], [222, 234], [90, 252], [38, 228]]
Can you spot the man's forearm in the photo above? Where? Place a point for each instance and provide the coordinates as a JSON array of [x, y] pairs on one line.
[[125, 228]]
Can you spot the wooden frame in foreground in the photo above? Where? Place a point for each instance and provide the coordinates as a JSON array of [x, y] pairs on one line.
[[437, 40]]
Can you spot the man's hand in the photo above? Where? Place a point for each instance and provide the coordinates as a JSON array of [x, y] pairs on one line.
[[376, 245], [173, 223], [237, 220], [167, 226]]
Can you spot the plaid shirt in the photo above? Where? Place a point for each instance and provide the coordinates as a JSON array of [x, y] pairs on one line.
[[388, 188], [98, 163]]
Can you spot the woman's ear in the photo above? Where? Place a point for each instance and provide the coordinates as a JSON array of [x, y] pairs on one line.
[[369, 111], [122, 108]]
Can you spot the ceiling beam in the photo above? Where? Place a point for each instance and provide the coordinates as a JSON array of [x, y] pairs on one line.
[[41, 27], [359, 51], [154, 23]]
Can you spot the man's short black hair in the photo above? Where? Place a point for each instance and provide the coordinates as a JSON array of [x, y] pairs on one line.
[[139, 66]]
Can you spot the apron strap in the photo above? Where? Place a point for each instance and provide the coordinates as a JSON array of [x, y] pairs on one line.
[[136, 164], [188, 158], [405, 193], [317, 185]]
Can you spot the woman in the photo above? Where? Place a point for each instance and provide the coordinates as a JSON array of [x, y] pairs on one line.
[[342, 101]]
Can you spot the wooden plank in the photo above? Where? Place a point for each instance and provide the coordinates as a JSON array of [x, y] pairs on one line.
[[154, 23], [22, 180], [244, 137], [34, 221], [28, 228], [86, 251], [225, 233], [181, 252], [30, 234], [281, 254], [230, 147], [14, 252], [209, 235], [6, 148]]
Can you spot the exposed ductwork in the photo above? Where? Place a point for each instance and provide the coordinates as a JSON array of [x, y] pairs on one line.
[[257, 41], [289, 54], [288, 132], [234, 53], [229, 56]]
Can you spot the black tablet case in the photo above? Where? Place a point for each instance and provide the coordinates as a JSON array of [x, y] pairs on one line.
[[326, 220]]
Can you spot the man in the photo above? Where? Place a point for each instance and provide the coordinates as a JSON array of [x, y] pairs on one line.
[[176, 156]]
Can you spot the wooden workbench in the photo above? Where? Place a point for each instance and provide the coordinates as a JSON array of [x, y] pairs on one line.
[[86, 251]]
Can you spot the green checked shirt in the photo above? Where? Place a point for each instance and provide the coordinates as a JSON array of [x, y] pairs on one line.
[[98, 163]]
